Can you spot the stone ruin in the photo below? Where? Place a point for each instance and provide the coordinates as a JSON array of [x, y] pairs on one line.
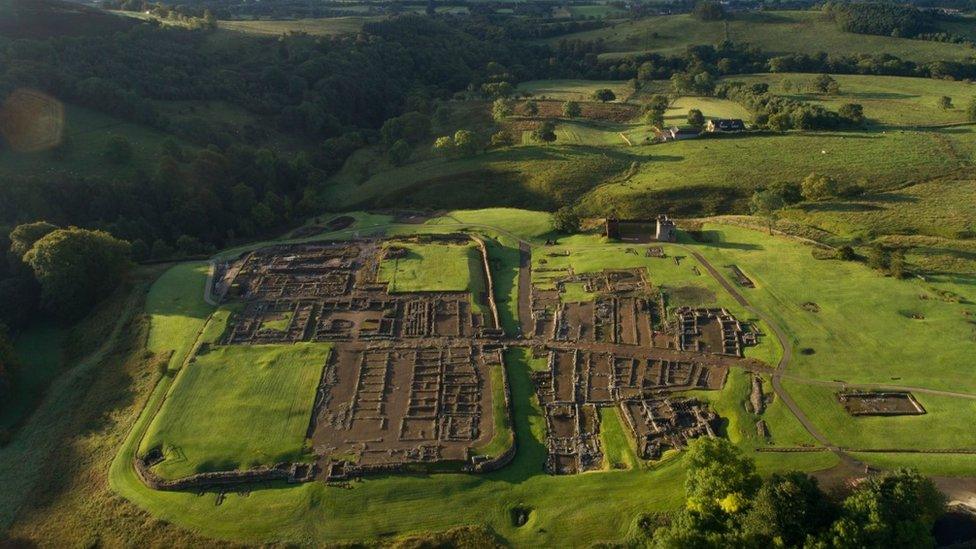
[[880, 403]]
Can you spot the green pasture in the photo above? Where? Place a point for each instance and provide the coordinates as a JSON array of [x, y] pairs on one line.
[[574, 90], [711, 107], [503, 436], [946, 423], [177, 310], [774, 32], [719, 174], [236, 407], [325, 26], [618, 443], [433, 268], [894, 101], [938, 208], [537, 176], [586, 132], [864, 331]]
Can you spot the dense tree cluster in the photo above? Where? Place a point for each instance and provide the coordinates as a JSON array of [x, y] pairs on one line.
[[729, 505], [783, 113], [878, 18]]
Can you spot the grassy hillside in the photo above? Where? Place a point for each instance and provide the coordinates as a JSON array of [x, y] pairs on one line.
[[82, 151], [713, 175], [887, 100], [776, 32]]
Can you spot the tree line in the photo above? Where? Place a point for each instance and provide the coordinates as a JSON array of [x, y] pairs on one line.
[[728, 504]]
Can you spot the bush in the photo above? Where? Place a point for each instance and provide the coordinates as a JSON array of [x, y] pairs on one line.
[[566, 220], [819, 187], [571, 109]]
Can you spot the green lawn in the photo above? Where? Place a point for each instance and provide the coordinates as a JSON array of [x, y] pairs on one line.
[[503, 436], [887, 100], [774, 32], [574, 90], [236, 407], [617, 440], [947, 422], [433, 268], [864, 331], [177, 310]]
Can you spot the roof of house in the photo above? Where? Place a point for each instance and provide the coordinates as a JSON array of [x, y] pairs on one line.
[[728, 123]]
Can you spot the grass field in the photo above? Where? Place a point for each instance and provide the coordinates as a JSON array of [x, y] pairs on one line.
[[574, 90], [433, 268], [714, 175], [775, 32], [947, 422], [864, 331], [888, 100], [330, 26], [237, 407], [540, 177]]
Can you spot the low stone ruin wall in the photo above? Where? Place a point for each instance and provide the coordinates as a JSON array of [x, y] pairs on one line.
[[289, 472]]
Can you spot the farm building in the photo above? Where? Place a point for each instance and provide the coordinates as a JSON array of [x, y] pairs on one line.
[[725, 125], [661, 229], [677, 134]]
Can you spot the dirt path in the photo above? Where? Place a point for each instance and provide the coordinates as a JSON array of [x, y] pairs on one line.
[[781, 366]]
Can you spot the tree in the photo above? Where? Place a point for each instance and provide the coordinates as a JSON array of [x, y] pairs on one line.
[[571, 109], [696, 118], [501, 139], [847, 253], [531, 108], [819, 187], [780, 122], [545, 133], [604, 95], [161, 250], [945, 102], [118, 150], [76, 268], [400, 152], [444, 145], [790, 192], [759, 88], [787, 508], [566, 220], [23, 237], [971, 110], [878, 257], [852, 112], [897, 267], [467, 143], [825, 84], [766, 203], [708, 10], [501, 109], [720, 479], [895, 509]]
